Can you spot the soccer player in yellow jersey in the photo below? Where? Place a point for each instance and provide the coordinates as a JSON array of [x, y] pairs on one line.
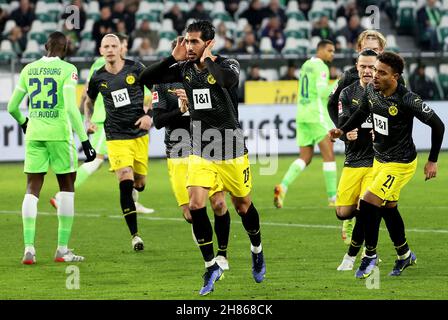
[[126, 125], [219, 153], [393, 108]]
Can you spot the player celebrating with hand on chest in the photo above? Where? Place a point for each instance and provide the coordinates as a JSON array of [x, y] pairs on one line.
[[393, 109]]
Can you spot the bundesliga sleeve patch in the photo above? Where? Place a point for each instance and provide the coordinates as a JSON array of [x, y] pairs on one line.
[[155, 97], [426, 108], [74, 76], [323, 75], [339, 107]]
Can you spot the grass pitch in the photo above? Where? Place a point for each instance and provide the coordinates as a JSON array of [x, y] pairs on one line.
[[302, 243]]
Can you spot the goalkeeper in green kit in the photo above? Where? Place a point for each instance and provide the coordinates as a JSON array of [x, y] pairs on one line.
[[312, 122], [50, 84]]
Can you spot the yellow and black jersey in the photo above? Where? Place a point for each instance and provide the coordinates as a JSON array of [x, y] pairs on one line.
[[123, 97], [359, 152], [166, 113], [392, 119], [213, 103]]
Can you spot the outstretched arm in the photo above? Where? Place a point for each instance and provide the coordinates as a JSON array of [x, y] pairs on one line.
[[437, 131], [161, 72], [165, 71], [14, 103], [69, 94], [17, 97]]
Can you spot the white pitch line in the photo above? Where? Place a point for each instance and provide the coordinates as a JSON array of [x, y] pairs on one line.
[[274, 224]]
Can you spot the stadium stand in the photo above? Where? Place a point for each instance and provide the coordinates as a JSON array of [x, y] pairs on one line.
[[168, 18]]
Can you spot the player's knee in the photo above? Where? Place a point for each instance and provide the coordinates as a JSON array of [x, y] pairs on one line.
[[195, 205], [391, 204], [242, 206], [219, 206], [187, 215], [125, 174], [342, 213]]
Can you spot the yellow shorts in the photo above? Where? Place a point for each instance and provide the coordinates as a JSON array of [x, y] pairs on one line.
[[390, 178], [353, 184], [178, 172], [234, 174], [129, 153]]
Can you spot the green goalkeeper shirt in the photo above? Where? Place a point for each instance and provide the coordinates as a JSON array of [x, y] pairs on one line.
[[314, 89], [50, 84]]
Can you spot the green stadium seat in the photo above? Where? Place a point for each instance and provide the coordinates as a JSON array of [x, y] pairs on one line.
[[6, 51], [405, 17], [223, 16], [40, 37], [32, 55], [6, 56], [443, 79], [442, 33], [168, 34], [298, 34], [316, 14], [94, 16], [163, 54], [147, 16], [291, 51], [297, 15], [44, 17], [86, 36]]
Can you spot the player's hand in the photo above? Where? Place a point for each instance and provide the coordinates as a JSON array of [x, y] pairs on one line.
[[208, 52], [91, 127], [24, 125], [145, 122], [182, 95], [352, 135], [180, 50], [335, 133], [183, 106], [430, 170], [88, 151]]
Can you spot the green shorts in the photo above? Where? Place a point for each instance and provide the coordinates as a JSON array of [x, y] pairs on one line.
[[61, 156], [98, 139], [310, 133]]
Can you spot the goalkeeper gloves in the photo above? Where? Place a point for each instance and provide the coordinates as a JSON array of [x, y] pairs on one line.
[[24, 125], [88, 151]]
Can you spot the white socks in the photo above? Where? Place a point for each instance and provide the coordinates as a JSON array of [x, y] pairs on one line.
[[29, 206], [66, 201]]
